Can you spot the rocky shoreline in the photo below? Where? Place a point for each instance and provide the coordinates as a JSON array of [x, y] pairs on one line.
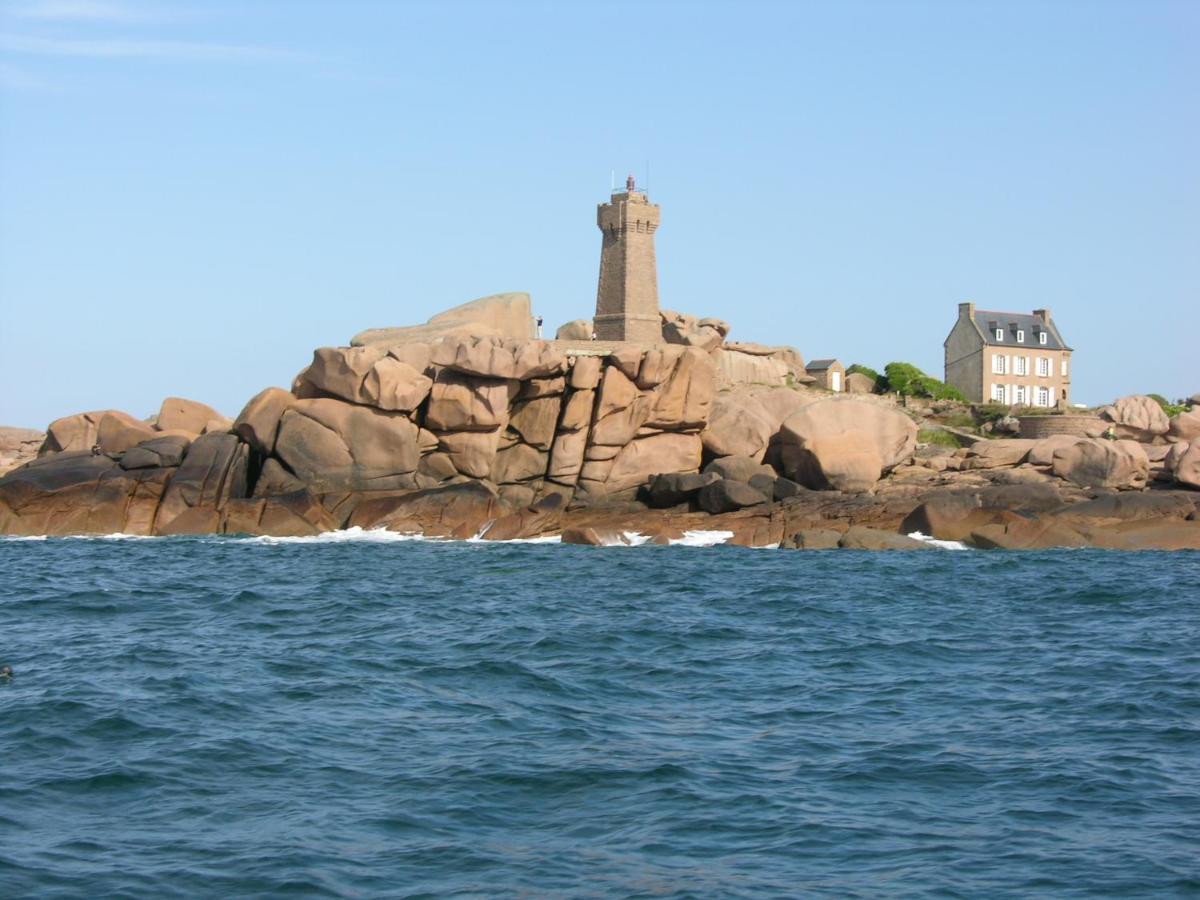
[[462, 428]]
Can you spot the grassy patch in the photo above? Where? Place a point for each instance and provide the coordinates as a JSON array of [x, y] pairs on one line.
[[959, 420], [937, 437]]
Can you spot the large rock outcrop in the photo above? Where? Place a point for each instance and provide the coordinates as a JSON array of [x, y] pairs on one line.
[[1185, 426], [844, 444], [575, 330], [258, 422], [738, 426], [192, 416], [747, 363], [332, 445], [1137, 418], [1100, 463], [213, 471], [81, 431], [372, 376], [18, 446], [166, 485], [680, 328], [1187, 466], [468, 427], [498, 315], [490, 357]]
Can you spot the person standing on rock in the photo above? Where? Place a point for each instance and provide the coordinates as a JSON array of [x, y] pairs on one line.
[[539, 327]]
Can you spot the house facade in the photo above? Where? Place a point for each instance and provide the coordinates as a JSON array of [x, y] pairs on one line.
[[829, 374], [1018, 359]]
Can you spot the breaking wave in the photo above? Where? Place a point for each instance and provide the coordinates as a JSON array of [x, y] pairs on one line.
[[934, 542]]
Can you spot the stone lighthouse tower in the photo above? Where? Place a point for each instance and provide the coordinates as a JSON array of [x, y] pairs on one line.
[[627, 297]]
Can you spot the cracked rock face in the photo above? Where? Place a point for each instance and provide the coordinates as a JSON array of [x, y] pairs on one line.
[[1138, 418], [844, 445], [1100, 463], [332, 445]]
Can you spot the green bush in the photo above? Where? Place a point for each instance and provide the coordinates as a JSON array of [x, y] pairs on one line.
[[880, 382], [928, 386], [900, 377], [909, 381], [991, 410], [1171, 409]]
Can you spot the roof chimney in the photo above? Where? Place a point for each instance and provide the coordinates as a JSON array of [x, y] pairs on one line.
[[966, 310], [1043, 314]]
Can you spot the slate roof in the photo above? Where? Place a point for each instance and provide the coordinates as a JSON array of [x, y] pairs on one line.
[[819, 365], [988, 321]]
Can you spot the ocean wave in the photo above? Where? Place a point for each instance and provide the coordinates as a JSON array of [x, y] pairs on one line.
[[502, 716], [934, 542], [355, 534], [702, 538], [542, 539]]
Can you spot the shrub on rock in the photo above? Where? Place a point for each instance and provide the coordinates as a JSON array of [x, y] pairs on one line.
[[909, 381]]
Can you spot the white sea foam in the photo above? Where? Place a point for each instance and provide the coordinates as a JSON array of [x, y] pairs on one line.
[[702, 538], [542, 539], [345, 536], [115, 536], [934, 542], [357, 534]]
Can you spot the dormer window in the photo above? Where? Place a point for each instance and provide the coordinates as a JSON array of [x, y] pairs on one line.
[[1041, 337], [1020, 337], [999, 334]]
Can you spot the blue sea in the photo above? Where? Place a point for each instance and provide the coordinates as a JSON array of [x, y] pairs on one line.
[[215, 717]]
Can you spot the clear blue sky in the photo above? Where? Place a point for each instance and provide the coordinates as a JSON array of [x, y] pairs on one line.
[[193, 195]]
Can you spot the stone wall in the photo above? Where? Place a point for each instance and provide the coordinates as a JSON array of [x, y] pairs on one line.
[[1037, 427]]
